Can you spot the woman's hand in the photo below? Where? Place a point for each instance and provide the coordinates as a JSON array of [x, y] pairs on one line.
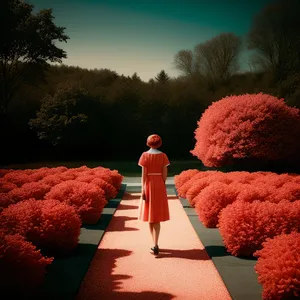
[[144, 195]]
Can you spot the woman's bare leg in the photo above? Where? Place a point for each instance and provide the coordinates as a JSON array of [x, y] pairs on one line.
[[152, 231], [156, 233]]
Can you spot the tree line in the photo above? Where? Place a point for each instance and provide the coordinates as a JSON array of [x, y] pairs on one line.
[[61, 112]]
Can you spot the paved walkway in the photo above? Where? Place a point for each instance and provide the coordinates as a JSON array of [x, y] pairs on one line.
[[123, 268]]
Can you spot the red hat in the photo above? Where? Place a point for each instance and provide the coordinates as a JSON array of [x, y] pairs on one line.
[[154, 141]]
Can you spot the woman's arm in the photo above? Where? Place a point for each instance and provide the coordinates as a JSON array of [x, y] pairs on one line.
[[165, 173], [144, 176]]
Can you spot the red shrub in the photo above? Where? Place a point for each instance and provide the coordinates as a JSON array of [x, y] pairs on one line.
[[51, 180], [50, 225], [188, 184], [36, 190], [247, 126], [201, 181], [5, 201], [6, 186], [252, 192], [116, 179], [243, 176], [104, 174], [3, 172], [87, 198], [39, 174], [67, 175], [183, 177], [110, 191], [22, 266], [289, 191], [245, 226], [278, 267], [17, 177], [213, 199]]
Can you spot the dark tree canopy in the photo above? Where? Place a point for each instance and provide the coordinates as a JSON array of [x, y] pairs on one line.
[[26, 39], [60, 112], [275, 35]]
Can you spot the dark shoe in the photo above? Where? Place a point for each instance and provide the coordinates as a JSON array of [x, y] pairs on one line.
[[155, 250]]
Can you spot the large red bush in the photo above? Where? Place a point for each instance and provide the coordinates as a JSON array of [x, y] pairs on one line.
[[256, 126], [245, 226], [22, 266], [278, 267], [213, 199], [50, 225], [87, 198]]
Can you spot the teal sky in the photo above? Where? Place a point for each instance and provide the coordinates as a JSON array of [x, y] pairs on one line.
[[143, 36]]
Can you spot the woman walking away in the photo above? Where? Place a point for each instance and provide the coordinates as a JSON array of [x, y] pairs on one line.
[[154, 206]]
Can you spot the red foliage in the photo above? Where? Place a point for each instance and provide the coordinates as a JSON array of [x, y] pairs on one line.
[[245, 226], [51, 180], [22, 266], [3, 172], [87, 198], [110, 191], [247, 126], [260, 192], [36, 190], [184, 176], [201, 181], [188, 184], [6, 186], [289, 191], [278, 267], [213, 199], [5, 201], [17, 177], [50, 225]]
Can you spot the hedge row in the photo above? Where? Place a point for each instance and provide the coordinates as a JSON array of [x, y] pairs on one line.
[[41, 213]]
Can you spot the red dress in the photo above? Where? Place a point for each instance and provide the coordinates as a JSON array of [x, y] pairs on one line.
[[156, 208]]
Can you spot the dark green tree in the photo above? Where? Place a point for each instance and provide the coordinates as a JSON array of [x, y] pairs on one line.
[[28, 43], [62, 114], [162, 77]]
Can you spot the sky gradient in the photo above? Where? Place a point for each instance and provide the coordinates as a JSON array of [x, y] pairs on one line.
[[143, 36]]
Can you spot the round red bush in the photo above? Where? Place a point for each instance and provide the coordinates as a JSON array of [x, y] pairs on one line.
[[188, 184], [245, 226], [22, 266], [36, 190], [110, 191], [6, 186], [184, 176], [17, 177], [50, 225], [201, 181], [87, 198], [213, 199], [51, 180], [258, 126], [3, 172], [5, 201], [278, 267]]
